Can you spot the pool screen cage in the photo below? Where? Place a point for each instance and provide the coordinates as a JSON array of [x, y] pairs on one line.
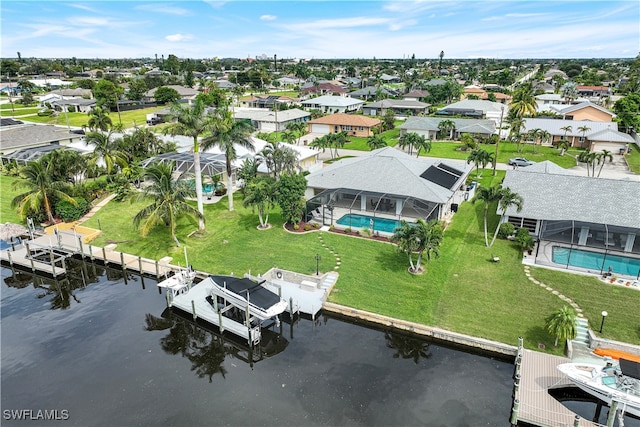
[[330, 205], [589, 247]]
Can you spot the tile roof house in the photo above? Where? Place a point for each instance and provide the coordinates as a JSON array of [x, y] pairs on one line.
[[587, 111], [353, 124], [388, 182], [370, 92], [570, 213], [322, 89], [333, 104], [428, 126], [186, 93], [400, 107]]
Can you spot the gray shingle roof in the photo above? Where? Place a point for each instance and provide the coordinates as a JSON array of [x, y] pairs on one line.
[[553, 126], [462, 125], [397, 103], [23, 136], [551, 196], [386, 170], [474, 104]]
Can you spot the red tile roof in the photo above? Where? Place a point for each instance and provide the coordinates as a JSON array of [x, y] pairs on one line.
[[343, 119]]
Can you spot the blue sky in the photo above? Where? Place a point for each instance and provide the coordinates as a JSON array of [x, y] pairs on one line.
[[321, 29]]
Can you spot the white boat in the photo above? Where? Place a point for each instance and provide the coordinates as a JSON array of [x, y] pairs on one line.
[[608, 383], [179, 282], [246, 294]]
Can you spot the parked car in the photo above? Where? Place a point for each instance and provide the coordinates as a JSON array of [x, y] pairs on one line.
[[520, 161]]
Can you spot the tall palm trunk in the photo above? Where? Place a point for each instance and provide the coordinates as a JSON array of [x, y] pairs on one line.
[[229, 186], [197, 171], [486, 236]]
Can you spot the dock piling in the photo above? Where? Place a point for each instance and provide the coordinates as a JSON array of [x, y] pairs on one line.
[[104, 256], [514, 413], [124, 266], [193, 309]]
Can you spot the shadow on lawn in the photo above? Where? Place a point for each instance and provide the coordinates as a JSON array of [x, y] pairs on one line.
[[390, 259]]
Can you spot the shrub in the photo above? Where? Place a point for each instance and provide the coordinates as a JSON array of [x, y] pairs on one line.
[[347, 230], [296, 227], [524, 240], [316, 225], [365, 232], [506, 229], [68, 212], [307, 227], [45, 113], [332, 227]]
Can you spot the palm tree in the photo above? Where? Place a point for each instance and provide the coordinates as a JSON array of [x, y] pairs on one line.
[[38, 179], [298, 128], [487, 195], [226, 133], [563, 145], [440, 62], [260, 194], [422, 144], [421, 237], [480, 157], [524, 101], [584, 129], [376, 141], [99, 119], [506, 199], [602, 158], [588, 158], [105, 151], [169, 200], [191, 121], [288, 137], [566, 129], [407, 140], [279, 158], [337, 140], [562, 324], [447, 126]]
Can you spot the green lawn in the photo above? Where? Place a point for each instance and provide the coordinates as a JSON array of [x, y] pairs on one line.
[[129, 118], [19, 110], [7, 193], [633, 159], [462, 290]]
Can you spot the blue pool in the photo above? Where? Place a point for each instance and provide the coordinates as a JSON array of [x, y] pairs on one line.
[[596, 261], [364, 221]]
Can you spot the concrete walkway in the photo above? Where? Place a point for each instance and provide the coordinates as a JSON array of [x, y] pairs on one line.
[[96, 208]]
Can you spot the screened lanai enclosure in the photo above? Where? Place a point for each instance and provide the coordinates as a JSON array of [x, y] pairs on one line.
[[212, 166], [378, 212], [589, 247]]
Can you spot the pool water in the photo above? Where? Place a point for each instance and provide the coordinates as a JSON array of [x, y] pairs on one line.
[[596, 261], [364, 221]]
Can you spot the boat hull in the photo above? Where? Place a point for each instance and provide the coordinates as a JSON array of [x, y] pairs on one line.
[[589, 378]]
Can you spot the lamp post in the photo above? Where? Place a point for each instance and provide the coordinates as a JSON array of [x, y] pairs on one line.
[[317, 264], [604, 315]]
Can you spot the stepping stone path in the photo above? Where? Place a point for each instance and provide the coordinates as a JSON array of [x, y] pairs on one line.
[[335, 254], [527, 272]]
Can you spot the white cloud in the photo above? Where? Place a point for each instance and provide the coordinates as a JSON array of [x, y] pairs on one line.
[[164, 9], [178, 37], [268, 18]]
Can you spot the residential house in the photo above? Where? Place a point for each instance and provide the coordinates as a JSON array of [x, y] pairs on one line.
[[416, 95], [580, 222], [476, 108], [476, 92], [595, 136], [326, 89], [268, 101], [333, 104], [386, 183], [49, 83], [400, 107], [587, 111], [353, 124], [34, 137], [370, 92], [186, 93], [429, 127], [265, 120], [79, 105]]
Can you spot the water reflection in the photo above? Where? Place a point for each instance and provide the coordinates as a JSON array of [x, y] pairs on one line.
[[587, 406], [407, 347], [206, 348]]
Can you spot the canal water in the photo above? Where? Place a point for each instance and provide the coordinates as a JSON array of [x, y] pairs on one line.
[[100, 349]]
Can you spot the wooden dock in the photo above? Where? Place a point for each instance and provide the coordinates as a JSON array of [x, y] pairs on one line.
[[46, 254], [532, 402]]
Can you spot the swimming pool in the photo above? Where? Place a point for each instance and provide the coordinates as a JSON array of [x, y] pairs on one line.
[[364, 221], [596, 260]]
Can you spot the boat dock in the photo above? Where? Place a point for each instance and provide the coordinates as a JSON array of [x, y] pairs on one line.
[[535, 374], [47, 254]]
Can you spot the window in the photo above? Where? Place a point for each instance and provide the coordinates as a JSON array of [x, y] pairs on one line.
[[347, 127]]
